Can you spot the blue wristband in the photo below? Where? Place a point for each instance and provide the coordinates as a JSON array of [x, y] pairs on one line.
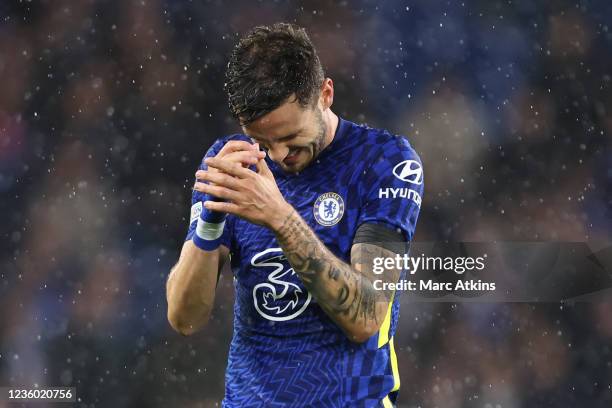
[[210, 226]]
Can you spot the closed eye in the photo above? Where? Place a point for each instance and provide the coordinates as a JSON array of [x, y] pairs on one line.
[[281, 139], [287, 138]]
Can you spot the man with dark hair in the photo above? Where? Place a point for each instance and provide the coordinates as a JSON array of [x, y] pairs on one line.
[[304, 202]]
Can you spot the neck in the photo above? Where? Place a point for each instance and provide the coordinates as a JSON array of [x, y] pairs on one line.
[[331, 124]]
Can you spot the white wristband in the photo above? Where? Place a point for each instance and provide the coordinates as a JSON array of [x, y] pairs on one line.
[[209, 231]]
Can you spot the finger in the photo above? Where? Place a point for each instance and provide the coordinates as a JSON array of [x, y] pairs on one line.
[[221, 206], [217, 191], [221, 179], [263, 169], [235, 146], [233, 169], [244, 157]]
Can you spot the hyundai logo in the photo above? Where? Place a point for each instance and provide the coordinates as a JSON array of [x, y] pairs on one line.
[[410, 171]]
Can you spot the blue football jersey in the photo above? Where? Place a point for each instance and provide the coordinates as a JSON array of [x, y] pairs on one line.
[[285, 351]]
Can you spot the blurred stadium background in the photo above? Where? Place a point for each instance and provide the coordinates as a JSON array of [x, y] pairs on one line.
[[106, 108]]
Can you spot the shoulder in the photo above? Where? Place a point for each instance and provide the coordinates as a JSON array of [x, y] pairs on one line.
[[220, 142], [386, 159], [381, 147], [218, 145]]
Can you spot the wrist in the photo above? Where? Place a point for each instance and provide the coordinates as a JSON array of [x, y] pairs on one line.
[[280, 216], [207, 235]]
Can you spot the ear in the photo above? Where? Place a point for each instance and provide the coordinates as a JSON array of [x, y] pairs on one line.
[[327, 94]]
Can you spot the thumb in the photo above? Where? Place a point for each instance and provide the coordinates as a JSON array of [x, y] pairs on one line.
[[263, 169]]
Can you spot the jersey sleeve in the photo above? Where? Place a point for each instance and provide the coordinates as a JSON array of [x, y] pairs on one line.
[[197, 198], [392, 188]]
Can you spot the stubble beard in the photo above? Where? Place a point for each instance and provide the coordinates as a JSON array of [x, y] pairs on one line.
[[319, 142]]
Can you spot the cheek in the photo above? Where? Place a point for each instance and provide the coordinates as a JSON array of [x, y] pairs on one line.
[[308, 150]]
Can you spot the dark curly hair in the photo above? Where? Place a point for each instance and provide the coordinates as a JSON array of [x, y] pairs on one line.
[[267, 66]]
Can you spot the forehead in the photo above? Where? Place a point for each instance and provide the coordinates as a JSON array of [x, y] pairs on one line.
[[285, 120]]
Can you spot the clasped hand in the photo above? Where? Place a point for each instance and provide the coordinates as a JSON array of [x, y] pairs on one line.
[[252, 195]]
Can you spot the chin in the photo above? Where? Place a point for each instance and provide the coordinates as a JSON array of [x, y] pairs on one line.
[[299, 166], [293, 168]]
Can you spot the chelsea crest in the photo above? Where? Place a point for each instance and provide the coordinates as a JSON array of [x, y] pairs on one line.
[[328, 209]]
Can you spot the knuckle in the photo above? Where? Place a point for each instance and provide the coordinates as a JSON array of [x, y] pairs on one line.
[[224, 178], [239, 155], [234, 144]]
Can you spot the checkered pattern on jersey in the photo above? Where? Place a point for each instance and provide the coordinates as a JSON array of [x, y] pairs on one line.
[[285, 350]]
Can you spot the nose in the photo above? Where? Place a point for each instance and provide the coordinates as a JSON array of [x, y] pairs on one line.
[[278, 152]]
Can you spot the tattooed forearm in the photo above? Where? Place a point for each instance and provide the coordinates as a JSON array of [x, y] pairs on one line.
[[362, 259], [345, 292]]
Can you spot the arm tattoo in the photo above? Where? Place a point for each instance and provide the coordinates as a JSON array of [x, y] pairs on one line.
[[345, 292]]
